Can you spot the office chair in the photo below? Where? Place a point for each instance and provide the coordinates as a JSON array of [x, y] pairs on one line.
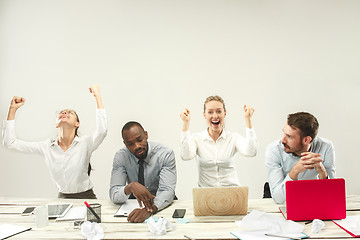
[[267, 193]]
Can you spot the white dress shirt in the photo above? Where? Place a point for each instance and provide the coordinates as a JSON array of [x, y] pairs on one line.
[[215, 160], [68, 169]]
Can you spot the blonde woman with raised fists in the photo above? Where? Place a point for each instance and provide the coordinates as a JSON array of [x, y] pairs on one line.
[[215, 147]]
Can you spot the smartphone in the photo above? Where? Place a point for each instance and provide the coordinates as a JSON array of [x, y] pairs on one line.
[[28, 211], [179, 213]]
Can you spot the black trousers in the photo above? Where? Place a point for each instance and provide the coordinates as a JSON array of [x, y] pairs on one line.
[[89, 194]]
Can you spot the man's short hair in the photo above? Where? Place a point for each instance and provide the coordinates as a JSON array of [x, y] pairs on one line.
[[129, 125], [304, 121]]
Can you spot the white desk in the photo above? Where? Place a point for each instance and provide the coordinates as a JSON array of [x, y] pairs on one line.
[[119, 228]]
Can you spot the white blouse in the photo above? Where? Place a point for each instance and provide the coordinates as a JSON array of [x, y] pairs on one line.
[[68, 169], [215, 160]]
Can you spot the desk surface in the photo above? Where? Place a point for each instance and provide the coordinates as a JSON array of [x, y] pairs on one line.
[[119, 228]]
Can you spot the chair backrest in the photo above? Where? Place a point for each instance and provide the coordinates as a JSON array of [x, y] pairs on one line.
[[267, 193]]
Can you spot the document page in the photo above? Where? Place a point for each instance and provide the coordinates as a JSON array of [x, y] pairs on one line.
[[350, 224], [8, 230]]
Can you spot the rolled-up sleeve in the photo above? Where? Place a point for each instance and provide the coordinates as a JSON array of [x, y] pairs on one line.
[[188, 146], [247, 145], [101, 129], [329, 161], [10, 141]]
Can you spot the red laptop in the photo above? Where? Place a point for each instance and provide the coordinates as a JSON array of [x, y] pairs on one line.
[[323, 199]]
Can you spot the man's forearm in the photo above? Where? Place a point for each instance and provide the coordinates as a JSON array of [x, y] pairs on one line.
[[322, 172]]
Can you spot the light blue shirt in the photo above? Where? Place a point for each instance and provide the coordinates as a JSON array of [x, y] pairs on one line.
[[159, 174], [279, 163]]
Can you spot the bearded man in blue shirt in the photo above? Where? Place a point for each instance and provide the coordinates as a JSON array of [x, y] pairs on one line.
[[298, 155]]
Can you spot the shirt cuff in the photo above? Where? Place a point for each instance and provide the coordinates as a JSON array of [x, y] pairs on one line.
[[287, 178], [250, 132], [101, 112], [122, 193], [184, 135], [160, 204], [8, 123]]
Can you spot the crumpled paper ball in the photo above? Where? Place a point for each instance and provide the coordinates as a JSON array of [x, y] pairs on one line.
[[92, 230], [160, 227], [317, 225]]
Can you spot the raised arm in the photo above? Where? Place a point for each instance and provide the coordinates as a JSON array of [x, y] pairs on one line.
[[248, 113], [9, 135], [187, 146], [15, 104], [185, 117], [95, 90], [101, 119], [248, 145]]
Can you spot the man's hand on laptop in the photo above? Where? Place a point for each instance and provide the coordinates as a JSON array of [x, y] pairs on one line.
[[143, 196]]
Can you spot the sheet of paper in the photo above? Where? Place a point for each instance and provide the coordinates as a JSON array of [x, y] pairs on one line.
[[260, 235], [8, 230], [351, 224], [126, 208], [75, 213]]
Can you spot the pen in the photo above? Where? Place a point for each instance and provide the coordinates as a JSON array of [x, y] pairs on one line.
[[282, 236], [189, 237], [92, 211]]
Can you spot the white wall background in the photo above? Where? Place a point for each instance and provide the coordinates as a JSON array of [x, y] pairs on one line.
[[153, 58]]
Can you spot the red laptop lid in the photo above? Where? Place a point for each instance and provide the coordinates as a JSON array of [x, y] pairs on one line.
[[315, 199]]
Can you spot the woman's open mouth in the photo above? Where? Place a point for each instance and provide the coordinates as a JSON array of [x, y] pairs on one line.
[[216, 123]]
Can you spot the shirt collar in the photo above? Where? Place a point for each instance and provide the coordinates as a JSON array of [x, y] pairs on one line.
[[149, 153], [205, 135], [55, 141]]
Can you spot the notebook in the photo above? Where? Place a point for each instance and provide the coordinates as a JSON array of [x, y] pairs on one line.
[[323, 199], [220, 201]]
